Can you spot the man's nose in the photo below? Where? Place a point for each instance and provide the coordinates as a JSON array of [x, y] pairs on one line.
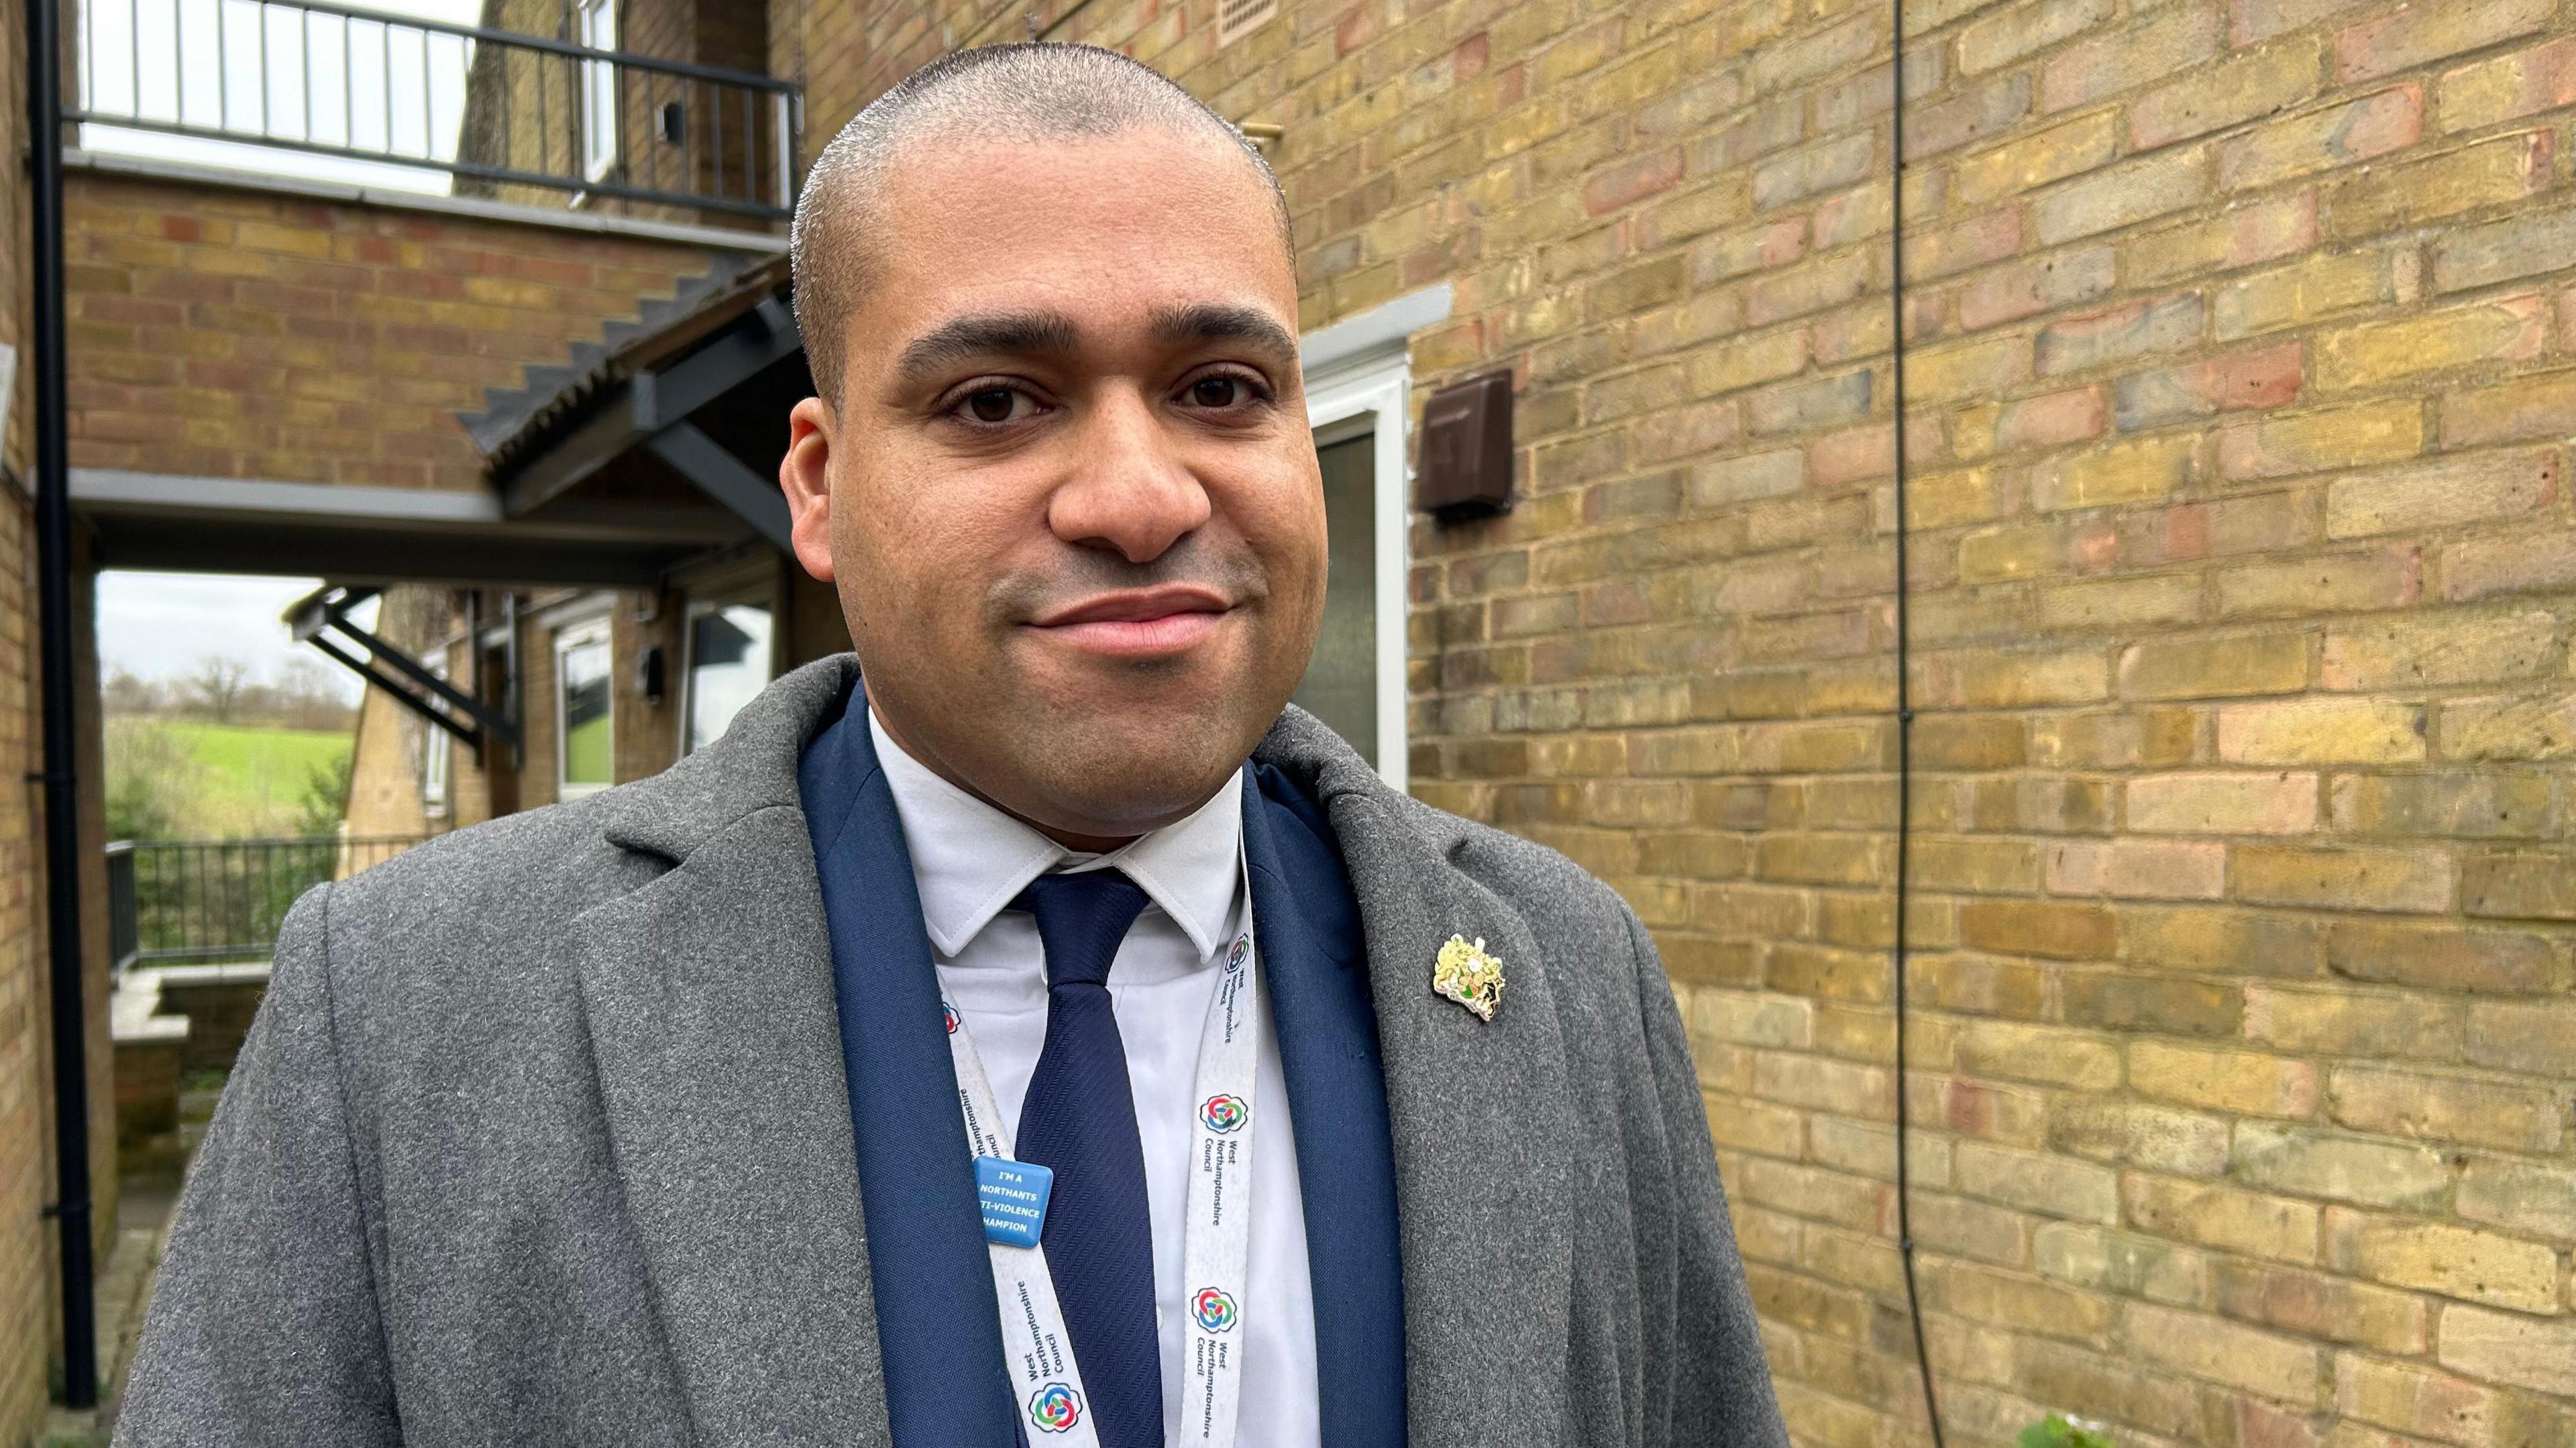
[[1130, 490]]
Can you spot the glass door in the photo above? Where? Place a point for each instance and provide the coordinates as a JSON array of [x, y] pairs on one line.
[[1341, 684]]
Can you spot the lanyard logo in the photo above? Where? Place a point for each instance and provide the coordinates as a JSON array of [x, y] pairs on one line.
[[1224, 1113], [1055, 1408], [950, 1012], [1234, 957], [1213, 1309]]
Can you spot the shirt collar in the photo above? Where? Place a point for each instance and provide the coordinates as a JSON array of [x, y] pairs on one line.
[[970, 860]]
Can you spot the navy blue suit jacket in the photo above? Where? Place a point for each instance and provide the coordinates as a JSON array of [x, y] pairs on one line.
[[946, 1383]]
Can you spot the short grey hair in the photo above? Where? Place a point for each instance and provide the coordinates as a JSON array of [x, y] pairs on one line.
[[1022, 91]]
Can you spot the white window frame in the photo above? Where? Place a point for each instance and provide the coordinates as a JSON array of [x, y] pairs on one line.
[[699, 607], [1359, 379], [597, 22], [436, 771], [567, 637]]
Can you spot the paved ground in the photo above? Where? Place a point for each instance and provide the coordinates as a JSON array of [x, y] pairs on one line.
[[146, 1199]]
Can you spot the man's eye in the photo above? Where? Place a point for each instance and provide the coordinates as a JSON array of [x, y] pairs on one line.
[[998, 404], [1220, 392]]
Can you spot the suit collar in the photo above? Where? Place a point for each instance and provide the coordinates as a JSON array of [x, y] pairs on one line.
[[970, 860]]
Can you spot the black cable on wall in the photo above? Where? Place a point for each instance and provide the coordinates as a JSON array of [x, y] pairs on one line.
[[1904, 699]]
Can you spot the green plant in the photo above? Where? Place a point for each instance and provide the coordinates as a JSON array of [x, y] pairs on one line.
[[2057, 1431], [326, 794], [151, 787]]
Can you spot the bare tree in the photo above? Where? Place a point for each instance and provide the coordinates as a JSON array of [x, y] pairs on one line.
[[126, 692], [308, 697], [219, 681]]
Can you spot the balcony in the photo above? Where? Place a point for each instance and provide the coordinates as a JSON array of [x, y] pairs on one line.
[[431, 105]]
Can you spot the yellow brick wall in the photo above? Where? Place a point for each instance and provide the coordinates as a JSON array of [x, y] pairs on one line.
[[230, 332], [25, 1287], [2242, 356], [385, 798], [389, 756]]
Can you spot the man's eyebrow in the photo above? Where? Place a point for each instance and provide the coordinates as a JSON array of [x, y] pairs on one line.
[[960, 338], [1215, 322]]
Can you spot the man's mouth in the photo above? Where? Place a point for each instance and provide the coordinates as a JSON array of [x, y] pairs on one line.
[[1137, 623]]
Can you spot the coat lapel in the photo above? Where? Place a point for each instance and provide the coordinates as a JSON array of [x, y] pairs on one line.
[[708, 996], [1319, 1003], [946, 1378], [1481, 1203]]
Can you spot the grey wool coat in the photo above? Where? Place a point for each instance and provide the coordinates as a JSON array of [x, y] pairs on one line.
[[542, 1137]]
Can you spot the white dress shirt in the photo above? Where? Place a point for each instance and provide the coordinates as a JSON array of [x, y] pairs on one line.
[[970, 861]]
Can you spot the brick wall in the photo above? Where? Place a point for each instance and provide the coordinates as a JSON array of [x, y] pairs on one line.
[[390, 753], [2243, 344], [26, 1337], [232, 332], [385, 771], [27, 1294]]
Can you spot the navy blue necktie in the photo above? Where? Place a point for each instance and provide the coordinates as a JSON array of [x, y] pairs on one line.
[[1079, 1119]]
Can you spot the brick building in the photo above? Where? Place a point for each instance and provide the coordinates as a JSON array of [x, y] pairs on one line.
[[2239, 348], [265, 375]]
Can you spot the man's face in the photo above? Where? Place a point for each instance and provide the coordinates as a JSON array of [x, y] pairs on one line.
[[1068, 493]]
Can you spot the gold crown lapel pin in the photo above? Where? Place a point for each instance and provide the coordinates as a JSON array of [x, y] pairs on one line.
[[1466, 974]]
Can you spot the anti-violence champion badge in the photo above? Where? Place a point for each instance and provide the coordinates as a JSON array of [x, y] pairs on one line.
[[1466, 974]]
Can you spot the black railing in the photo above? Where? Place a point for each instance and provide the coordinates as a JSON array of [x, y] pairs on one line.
[[219, 900], [497, 110]]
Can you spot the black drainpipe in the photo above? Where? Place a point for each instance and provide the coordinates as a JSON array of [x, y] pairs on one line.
[[71, 1208], [1904, 711]]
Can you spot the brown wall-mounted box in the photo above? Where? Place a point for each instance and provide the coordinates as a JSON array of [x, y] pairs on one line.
[[1466, 469]]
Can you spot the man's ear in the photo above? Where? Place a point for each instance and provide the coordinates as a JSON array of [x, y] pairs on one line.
[[805, 475]]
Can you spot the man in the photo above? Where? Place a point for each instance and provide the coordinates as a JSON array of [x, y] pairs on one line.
[[1027, 1030]]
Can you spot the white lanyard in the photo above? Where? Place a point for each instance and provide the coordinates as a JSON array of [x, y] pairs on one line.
[[1217, 1242]]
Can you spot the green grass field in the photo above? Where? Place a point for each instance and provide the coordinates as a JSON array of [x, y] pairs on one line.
[[251, 772], [217, 780]]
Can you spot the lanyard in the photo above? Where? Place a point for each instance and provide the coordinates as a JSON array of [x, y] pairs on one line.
[[1216, 1250]]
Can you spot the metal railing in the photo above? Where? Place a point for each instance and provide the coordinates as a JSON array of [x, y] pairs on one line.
[[219, 900], [496, 110]]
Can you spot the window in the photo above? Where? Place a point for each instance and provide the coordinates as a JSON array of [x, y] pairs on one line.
[[1356, 681], [1357, 373], [727, 663], [434, 747], [1341, 683], [599, 108], [585, 716]]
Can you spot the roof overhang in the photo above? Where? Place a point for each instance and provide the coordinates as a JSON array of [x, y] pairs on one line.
[[669, 401], [370, 535]]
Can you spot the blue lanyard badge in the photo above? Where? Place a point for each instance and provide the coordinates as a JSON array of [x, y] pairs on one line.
[[1014, 1198]]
